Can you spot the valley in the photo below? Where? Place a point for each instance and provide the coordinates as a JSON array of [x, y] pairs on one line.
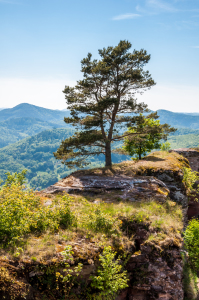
[[30, 134]]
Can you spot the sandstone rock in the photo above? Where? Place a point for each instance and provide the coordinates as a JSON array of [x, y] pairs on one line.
[[191, 155], [132, 188]]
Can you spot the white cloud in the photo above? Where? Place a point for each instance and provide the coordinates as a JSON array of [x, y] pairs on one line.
[[155, 7], [42, 92], [161, 5], [126, 16]]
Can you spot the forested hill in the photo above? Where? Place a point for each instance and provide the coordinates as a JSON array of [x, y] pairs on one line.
[[36, 154], [33, 133], [16, 129], [26, 120], [179, 119], [26, 110]]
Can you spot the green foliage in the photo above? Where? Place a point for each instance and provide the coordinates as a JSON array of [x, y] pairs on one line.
[[189, 178], [16, 178], [69, 274], [22, 212], [110, 277], [145, 135], [102, 222], [189, 280], [16, 129], [36, 155], [191, 242], [102, 101], [166, 146], [25, 120], [184, 141]]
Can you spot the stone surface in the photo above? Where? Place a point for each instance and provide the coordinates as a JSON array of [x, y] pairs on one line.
[[132, 188], [193, 203], [192, 156]]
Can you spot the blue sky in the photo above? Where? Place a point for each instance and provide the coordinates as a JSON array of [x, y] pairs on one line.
[[43, 42]]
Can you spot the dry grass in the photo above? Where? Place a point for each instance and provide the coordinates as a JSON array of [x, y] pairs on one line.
[[165, 219], [159, 160], [165, 227]]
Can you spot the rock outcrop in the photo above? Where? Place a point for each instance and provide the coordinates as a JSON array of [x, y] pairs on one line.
[[155, 269], [153, 273], [132, 188], [192, 156]]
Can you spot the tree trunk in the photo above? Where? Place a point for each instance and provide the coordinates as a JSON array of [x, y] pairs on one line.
[[108, 154], [140, 153]]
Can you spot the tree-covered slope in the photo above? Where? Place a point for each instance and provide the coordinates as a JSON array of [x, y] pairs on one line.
[[15, 129], [36, 154], [25, 120], [185, 131], [179, 119], [184, 141]]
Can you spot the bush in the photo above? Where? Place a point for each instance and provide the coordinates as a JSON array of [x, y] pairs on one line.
[[189, 178], [189, 280], [110, 277], [18, 178], [22, 212], [166, 146], [104, 223], [191, 240]]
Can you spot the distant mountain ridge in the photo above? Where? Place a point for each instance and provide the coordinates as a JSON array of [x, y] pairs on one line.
[[26, 120], [25, 110], [178, 119], [32, 111]]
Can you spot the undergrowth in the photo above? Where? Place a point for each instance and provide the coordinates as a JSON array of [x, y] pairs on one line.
[[21, 212], [34, 228]]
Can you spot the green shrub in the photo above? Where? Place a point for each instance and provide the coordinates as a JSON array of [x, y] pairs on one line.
[[18, 178], [189, 280], [189, 178], [69, 274], [110, 277], [166, 146], [22, 212], [191, 241], [102, 222]]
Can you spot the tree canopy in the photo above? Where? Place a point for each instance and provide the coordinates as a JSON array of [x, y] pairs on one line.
[[149, 135], [103, 103]]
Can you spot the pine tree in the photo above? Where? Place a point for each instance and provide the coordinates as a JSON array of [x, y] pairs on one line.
[[103, 103]]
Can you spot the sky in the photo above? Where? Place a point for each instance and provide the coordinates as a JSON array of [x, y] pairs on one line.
[[43, 41]]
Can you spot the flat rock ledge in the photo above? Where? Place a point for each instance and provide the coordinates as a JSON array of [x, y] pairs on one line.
[[132, 188]]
